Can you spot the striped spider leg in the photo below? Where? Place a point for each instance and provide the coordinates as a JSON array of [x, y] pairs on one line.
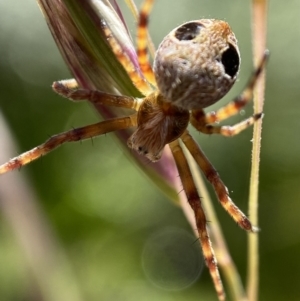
[[195, 65]]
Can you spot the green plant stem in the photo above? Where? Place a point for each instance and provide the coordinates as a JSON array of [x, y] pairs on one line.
[[259, 30]]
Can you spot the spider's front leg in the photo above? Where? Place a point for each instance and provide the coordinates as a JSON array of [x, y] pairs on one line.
[[76, 134], [142, 41]]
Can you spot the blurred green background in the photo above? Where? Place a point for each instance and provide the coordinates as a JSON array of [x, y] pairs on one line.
[[101, 222]]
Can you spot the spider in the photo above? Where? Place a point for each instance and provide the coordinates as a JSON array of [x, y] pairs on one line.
[[195, 65]]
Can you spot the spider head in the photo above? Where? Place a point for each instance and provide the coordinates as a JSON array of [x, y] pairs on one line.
[[197, 63]]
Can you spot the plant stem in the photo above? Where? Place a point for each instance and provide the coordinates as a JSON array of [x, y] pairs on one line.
[[259, 30]]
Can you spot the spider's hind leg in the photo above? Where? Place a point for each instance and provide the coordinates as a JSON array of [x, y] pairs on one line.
[[198, 120]]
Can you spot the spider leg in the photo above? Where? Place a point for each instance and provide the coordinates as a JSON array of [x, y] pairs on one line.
[[142, 41], [76, 134], [195, 202], [64, 89], [198, 119], [71, 84], [213, 177], [234, 106], [124, 58]]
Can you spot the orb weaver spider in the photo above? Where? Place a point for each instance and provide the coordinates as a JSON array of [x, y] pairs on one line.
[[195, 66]]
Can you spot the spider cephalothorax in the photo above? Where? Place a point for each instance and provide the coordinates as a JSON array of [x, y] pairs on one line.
[[195, 65], [159, 122]]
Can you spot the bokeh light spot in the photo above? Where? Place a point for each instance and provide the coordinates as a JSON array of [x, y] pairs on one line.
[[171, 259]]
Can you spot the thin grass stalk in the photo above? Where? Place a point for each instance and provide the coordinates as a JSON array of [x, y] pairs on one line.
[[259, 32], [45, 259]]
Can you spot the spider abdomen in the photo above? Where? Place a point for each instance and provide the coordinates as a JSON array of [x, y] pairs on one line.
[[197, 63]]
